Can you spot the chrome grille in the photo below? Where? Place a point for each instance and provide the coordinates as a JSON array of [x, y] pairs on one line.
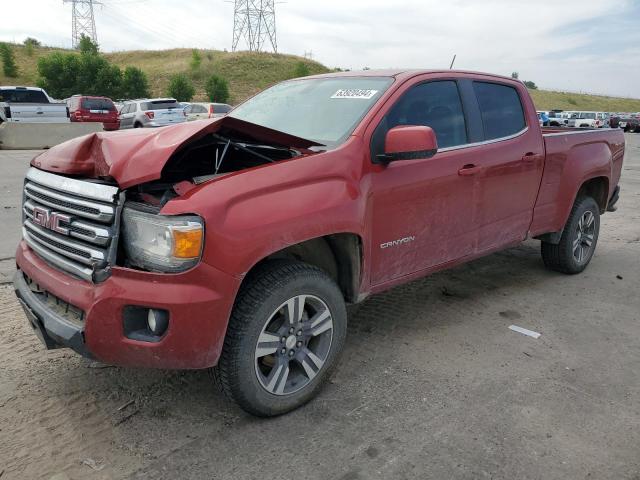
[[71, 224]]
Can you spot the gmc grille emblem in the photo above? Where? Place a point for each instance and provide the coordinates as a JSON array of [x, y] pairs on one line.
[[51, 220]]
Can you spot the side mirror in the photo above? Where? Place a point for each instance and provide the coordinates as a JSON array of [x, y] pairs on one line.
[[409, 142]]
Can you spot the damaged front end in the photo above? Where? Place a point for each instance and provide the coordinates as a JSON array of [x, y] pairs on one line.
[[142, 172]]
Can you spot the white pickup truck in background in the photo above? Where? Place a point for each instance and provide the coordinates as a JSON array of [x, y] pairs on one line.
[[30, 105]]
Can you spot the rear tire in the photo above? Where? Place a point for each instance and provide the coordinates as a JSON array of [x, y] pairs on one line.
[[578, 241], [284, 337]]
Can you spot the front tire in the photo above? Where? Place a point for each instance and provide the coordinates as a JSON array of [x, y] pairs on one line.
[[579, 238], [284, 337]]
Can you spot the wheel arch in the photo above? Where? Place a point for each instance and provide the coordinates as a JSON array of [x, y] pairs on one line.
[[339, 255]]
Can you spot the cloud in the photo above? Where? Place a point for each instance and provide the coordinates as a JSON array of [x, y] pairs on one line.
[[564, 45]]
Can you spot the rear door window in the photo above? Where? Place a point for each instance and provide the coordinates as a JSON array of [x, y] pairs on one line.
[[500, 108]]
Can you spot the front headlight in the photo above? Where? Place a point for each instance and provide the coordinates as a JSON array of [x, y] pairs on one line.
[[162, 243]]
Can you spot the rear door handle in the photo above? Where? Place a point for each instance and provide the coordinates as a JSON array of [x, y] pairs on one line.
[[469, 169]]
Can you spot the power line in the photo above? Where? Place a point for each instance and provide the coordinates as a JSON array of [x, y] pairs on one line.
[[82, 20], [255, 21]]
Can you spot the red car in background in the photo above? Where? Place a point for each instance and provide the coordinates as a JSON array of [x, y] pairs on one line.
[[84, 108]]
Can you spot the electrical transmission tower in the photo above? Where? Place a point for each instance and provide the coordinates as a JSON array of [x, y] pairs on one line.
[[83, 22], [255, 21]]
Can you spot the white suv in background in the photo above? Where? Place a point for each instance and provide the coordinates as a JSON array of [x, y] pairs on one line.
[[153, 112]]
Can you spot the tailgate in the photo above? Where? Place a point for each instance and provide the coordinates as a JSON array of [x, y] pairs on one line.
[[169, 115], [38, 113]]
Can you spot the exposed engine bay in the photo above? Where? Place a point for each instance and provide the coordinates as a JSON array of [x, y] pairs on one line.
[[210, 157]]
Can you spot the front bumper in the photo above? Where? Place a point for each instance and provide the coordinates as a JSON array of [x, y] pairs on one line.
[[53, 329], [199, 303]]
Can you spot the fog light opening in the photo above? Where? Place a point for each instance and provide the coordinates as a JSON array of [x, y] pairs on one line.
[[157, 321]]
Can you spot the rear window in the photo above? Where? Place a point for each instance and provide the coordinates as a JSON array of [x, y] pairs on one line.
[[501, 109], [221, 108], [97, 104], [23, 96], [160, 105]]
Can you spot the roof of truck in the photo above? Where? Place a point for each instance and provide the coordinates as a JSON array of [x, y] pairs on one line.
[[403, 73]]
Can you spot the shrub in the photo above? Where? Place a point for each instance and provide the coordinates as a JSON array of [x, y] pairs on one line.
[[29, 45], [134, 83], [9, 66], [181, 88], [217, 89], [196, 60], [301, 70], [531, 85]]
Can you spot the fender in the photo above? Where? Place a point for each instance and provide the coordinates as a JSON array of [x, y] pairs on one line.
[[565, 172], [259, 212]]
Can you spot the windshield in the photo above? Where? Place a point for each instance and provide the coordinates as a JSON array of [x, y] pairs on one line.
[[325, 110]]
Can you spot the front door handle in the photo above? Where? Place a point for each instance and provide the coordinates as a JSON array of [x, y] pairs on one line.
[[531, 157], [469, 169]]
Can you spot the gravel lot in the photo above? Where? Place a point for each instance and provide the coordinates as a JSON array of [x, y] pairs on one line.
[[432, 383]]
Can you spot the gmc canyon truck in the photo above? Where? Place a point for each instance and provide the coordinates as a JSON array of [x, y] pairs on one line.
[[236, 243]]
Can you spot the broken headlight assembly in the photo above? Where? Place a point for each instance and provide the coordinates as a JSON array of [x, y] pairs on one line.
[[161, 243]]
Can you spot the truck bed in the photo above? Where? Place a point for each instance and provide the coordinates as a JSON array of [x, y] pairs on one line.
[[601, 149]]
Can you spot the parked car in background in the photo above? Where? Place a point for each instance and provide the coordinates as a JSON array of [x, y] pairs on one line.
[[30, 105], [238, 243], [629, 122], [586, 120], [154, 112], [84, 108], [199, 111], [559, 119]]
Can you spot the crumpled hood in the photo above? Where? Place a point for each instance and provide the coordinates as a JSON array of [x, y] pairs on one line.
[[138, 155]]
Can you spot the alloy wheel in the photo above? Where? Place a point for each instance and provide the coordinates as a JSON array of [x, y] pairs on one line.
[[294, 345]]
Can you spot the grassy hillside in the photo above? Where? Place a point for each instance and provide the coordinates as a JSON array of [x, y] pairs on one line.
[[547, 100], [248, 73]]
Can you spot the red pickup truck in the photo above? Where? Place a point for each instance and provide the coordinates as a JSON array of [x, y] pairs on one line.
[[237, 243]]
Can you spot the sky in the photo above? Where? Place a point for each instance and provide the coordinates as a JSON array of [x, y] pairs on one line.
[[588, 46]]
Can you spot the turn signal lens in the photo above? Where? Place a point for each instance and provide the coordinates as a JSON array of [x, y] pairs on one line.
[[187, 243]]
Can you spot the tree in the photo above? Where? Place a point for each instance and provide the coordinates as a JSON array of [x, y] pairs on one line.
[[196, 60], [59, 73], [108, 82], [217, 89], [181, 88], [9, 66], [530, 85], [515, 75], [30, 44], [301, 70], [134, 83], [87, 46]]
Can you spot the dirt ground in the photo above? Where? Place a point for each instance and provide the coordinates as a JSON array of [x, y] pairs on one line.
[[432, 383]]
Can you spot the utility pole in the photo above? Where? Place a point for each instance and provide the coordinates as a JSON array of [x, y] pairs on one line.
[[83, 22], [255, 21]]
